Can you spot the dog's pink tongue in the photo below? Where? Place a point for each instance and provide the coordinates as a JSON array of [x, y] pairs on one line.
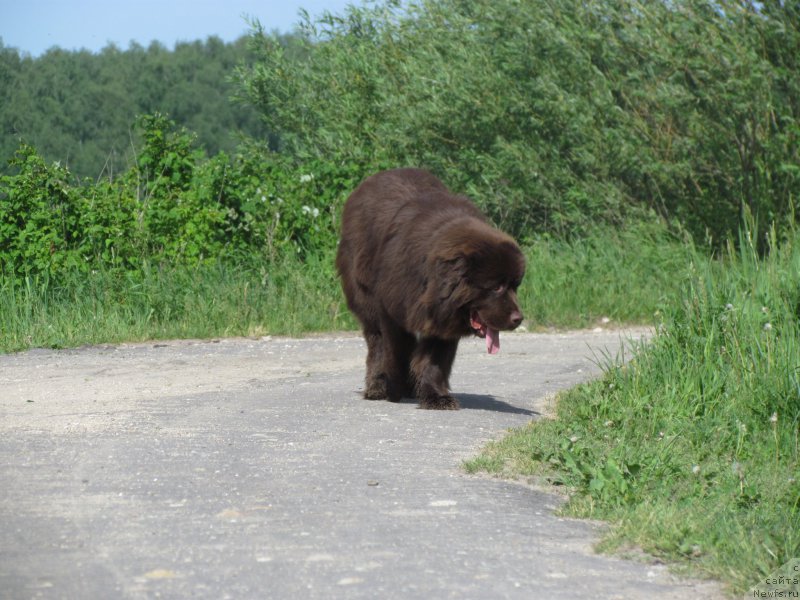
[[492, 340]]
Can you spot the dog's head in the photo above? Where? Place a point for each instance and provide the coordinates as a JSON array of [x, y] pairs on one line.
[[478, 274]]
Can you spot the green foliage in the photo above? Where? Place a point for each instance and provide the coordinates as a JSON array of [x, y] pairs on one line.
[[624, 275], [38, 217], [180, 217], [692, 447], [174, 206], [77, 107], [555, 116], [286, 296], [250, 290], [279, 205]]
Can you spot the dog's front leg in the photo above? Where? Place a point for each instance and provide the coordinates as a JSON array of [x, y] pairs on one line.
[[431, 364]]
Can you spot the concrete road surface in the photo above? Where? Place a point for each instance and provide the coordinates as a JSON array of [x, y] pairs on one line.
[[253, 469]]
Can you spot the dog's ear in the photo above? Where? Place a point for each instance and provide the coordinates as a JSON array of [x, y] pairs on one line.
[[453, 285], [449, 275], [444, 279]]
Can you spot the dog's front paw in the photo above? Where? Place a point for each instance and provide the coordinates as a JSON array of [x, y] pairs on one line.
[[445, 402], [376, 389]]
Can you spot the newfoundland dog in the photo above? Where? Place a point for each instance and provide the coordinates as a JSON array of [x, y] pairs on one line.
[[422, 268]]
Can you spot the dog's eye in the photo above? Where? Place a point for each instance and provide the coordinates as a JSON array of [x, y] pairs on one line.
[[499, 289]]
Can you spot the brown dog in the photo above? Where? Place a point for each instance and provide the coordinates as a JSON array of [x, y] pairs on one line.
[[422, 268]]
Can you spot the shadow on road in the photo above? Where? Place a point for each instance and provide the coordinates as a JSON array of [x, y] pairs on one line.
[[472, 402], [483, 402]]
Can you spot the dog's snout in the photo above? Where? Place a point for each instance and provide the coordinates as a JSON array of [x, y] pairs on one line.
[[515, 318]]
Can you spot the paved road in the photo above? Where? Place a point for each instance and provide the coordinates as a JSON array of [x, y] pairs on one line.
[[253, 469]]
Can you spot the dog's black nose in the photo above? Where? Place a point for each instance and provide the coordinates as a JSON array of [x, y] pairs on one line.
[[516, 318]]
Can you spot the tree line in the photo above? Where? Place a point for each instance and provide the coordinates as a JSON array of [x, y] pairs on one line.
[[79, 107]]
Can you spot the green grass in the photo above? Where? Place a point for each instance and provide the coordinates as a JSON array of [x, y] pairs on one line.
[[285, 297], [624, 276], [691, 449]]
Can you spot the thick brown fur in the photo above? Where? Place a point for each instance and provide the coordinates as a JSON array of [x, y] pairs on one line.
[[418, 265]]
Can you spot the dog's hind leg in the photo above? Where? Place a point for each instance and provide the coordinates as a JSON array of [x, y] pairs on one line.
[[375, 387], [396, 349]]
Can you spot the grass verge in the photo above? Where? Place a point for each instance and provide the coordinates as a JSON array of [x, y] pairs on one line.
[[691, 448], [624, 276], [285, 297]]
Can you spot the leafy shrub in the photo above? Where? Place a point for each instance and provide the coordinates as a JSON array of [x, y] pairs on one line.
[[174, 206], [555, 116], [277, 205], [38, 217], [180, 216]]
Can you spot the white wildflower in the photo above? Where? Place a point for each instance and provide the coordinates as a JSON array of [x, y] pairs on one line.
[[696, 469], [306, 177], [767, 326]]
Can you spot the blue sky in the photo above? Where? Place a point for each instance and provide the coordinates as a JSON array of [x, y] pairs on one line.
[[33, 26]]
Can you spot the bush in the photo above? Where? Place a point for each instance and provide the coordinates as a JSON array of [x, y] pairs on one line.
[[277, 205], [38, 217], [555, 116], [174, 206]]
